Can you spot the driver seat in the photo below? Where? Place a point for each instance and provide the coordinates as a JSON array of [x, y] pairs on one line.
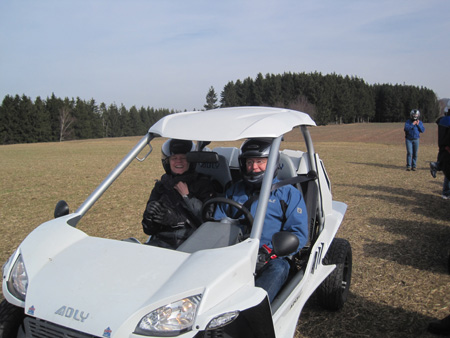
[[219, 173]]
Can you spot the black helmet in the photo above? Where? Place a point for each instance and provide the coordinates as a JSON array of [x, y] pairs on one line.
[[173, 147], [254, 148], [414, 114]]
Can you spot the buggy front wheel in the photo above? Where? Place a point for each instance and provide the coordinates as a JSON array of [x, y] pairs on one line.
[[333, 292], [11, 318]]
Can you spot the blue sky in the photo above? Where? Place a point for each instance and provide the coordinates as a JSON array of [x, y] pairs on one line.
[[167, 53]]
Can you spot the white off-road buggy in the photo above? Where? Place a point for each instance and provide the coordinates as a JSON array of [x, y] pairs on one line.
[[60, 282]]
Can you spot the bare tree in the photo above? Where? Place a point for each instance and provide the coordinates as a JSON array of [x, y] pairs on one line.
[[301, 103], [65, 122]]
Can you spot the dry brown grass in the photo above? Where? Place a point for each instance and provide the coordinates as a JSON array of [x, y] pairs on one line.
[[396, 221]]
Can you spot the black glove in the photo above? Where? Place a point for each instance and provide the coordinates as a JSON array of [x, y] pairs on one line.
[[166, 217], [263, 257], [153, 208], [150, 227], [161, 214]]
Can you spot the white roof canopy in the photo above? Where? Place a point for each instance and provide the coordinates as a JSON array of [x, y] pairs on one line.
[[230, 124]]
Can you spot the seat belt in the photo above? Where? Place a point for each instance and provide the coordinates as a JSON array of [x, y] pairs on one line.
[[310, 176]]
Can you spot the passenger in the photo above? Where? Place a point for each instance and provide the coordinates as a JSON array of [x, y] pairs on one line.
[[286, 211], [173, 210]]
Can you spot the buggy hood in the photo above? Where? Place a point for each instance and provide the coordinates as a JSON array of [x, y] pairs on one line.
[[100, 285]]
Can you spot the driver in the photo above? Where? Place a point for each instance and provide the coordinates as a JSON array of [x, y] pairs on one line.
[[173, 210], [286, 211]]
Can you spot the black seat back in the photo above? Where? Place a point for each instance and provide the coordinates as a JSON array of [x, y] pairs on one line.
[[218, 171]]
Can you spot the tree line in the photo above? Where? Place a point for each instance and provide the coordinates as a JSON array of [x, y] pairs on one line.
[[331, 98], [56, 119], [327, 98]]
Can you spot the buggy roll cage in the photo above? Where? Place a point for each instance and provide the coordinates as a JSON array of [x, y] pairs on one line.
[[137, 149]]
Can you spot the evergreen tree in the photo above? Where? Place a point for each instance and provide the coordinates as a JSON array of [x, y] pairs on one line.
[[229, 96], [145, 121], [133, 122], [113, 118], [288, 91], [82, 115], [95, 118], [42, 122], [272, 91], [211, 99], [53, 105], [258, 91], [25, 116], [8, 121], [113, 121]]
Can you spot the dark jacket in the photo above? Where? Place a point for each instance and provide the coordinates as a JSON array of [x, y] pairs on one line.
[[444, 144], [186, 210]]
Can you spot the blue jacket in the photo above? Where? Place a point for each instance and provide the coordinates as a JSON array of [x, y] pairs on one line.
[[412, 131], [444, 121], [295, 214]]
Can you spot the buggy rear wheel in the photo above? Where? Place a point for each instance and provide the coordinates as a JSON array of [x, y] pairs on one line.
[[11, 318], [333, 292]]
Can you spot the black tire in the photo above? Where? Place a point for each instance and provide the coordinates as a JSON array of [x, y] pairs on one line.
[[11, 318], [448, 263], [333, 292]]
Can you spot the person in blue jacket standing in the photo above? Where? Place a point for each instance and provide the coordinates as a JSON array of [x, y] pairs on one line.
[[286, 211], [413, 128]]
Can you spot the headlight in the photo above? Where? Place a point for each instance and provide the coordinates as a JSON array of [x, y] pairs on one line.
[[170, 320], [222, 320], [18, 280]]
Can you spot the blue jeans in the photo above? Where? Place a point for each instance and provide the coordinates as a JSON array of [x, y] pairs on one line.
[[273, 276], [412, 148], [446, 187]]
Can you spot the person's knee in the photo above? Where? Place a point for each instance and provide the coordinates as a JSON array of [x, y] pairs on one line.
[[273, 276]]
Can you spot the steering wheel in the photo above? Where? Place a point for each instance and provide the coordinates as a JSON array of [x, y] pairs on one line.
[[231, 203]]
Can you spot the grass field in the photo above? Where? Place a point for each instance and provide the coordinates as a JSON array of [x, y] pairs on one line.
[[397, 222]]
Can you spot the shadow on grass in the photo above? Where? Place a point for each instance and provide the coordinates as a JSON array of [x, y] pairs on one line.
[[424, 246], [428, 205], [421, 167], [381, 165], [361, 318]]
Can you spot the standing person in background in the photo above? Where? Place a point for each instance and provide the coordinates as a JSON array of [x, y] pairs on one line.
[[413, 128], [442, 327], [443, 123]]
